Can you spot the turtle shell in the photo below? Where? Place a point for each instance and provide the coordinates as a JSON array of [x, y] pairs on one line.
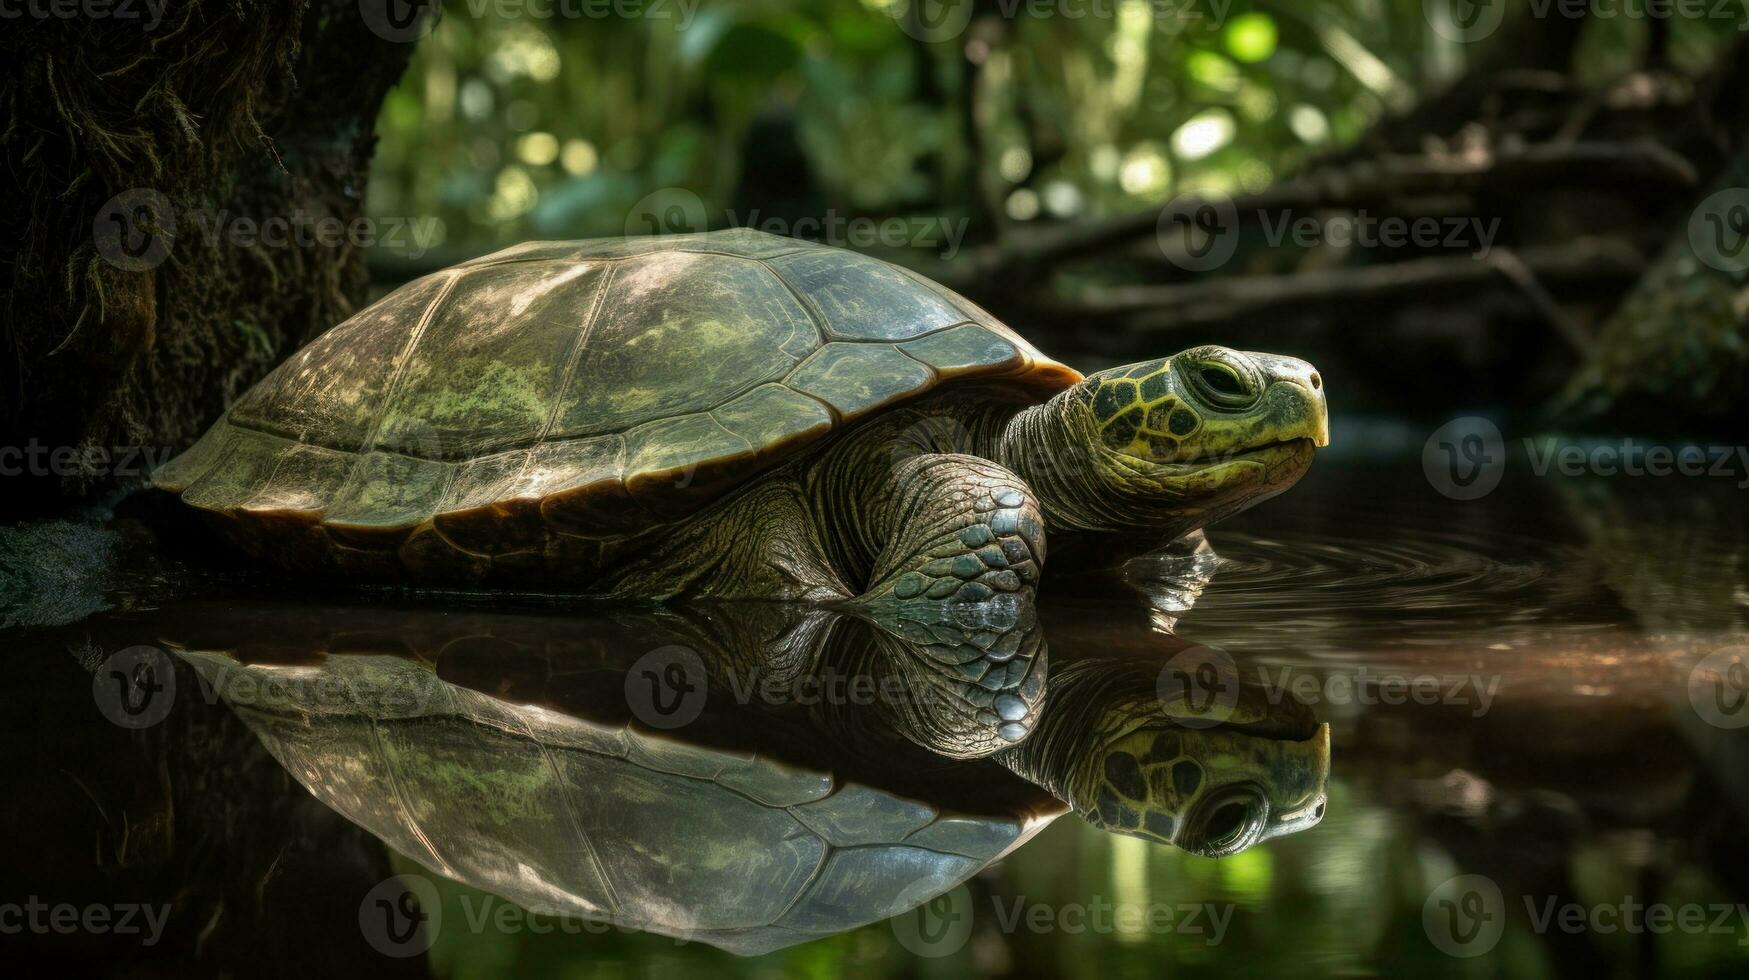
[[601, 387]]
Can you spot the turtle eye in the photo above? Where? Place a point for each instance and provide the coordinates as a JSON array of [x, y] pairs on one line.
[[1226, 825], [1221, 384]]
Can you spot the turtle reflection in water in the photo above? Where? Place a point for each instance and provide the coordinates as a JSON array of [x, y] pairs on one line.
[[730, 415], [507, 752]]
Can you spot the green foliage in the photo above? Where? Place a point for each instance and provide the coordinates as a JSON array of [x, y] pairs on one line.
[[512, 127]]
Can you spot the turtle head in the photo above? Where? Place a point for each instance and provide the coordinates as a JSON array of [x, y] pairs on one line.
[[1212, 792], [1182, 441], [1132, 759]]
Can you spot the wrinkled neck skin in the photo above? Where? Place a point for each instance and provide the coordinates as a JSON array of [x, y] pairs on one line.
[[1051, 447], [1040, 444]]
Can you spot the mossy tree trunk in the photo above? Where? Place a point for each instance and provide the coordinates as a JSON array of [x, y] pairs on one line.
[[1674, 358], [184, 200]]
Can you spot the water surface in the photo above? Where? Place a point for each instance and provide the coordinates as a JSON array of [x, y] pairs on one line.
[[1538, 694]]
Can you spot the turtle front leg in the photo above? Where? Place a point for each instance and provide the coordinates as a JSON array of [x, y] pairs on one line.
[[954, 528]]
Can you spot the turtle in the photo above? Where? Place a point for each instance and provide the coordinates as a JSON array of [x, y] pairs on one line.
[[508, 751], [730, 414]]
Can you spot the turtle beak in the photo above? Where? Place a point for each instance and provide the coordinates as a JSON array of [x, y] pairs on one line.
[[1306, 763], [1294, 396]]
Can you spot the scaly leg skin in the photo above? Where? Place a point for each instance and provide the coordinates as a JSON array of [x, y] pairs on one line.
[[957, 529]]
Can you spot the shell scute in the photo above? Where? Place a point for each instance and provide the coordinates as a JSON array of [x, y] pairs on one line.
[[677, 332], [861, 298], [856, 379]]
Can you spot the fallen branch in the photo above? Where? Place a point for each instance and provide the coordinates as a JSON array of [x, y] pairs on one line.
[[1575, 265], [1643, 166]]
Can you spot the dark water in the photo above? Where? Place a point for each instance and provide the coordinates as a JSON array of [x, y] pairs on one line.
[[1537, 761]]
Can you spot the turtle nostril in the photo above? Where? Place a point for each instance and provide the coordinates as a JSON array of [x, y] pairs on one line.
[[1317, 382]]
